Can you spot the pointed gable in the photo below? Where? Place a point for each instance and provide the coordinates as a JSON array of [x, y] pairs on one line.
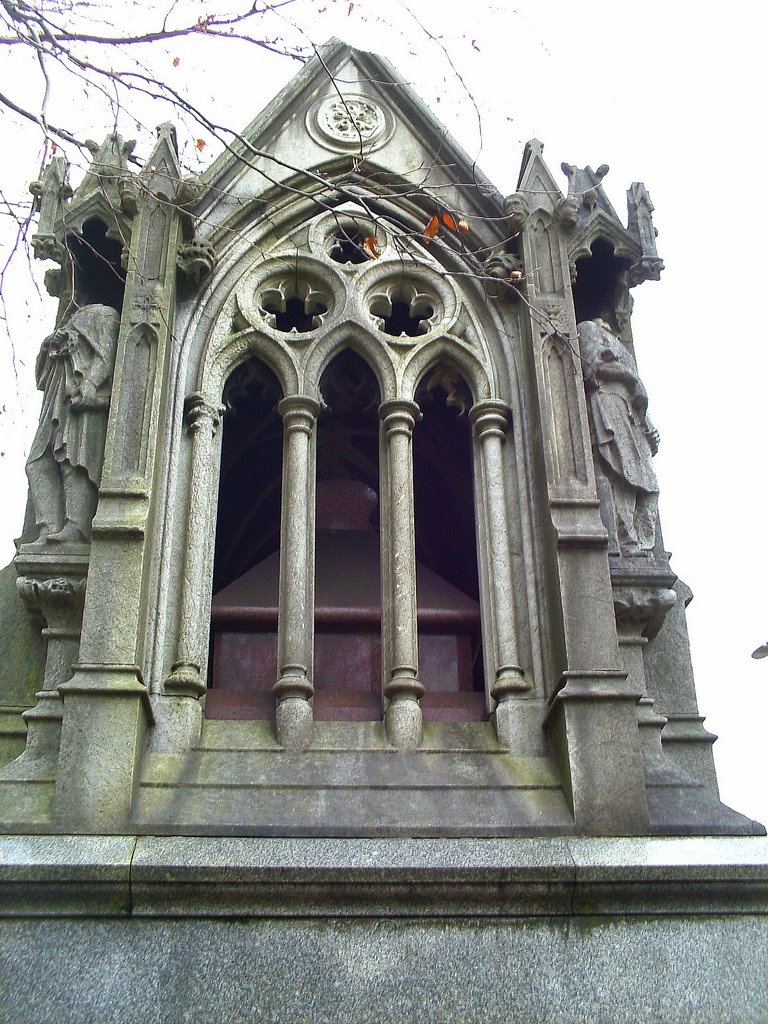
[[347, 127]]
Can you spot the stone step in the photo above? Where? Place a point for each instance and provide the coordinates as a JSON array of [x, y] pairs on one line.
[[362, 791], [350, 769], [260, 735], [26, 803], [253, 810]]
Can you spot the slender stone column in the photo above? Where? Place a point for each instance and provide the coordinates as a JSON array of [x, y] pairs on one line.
[[295, 624], [202, 422], [400, 641], [491, 422]]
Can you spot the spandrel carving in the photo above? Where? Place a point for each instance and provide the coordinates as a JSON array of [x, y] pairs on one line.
[[623, 436], [74, 371]]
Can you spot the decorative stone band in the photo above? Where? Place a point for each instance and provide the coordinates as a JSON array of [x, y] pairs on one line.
[[156, 877]]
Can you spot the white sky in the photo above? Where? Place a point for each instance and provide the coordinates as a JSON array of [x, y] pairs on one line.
[[669, 94]]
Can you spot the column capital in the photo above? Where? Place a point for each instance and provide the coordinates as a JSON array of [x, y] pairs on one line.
[[399, 414], [297, 407], [491, 416], [198, 411]]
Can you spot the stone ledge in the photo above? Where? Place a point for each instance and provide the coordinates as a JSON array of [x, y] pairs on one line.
[[179, 876]]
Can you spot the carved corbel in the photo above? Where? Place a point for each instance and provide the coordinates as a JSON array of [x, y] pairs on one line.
[[189, 191], [58, 600], [195, 261], [516, 210], [503, 269], [641, 610], [552, 316], [54, 280], [567, 211], [128, 189]]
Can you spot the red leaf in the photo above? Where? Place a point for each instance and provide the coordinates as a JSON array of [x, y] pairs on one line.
[[432, 227], [200, 144], [371, 247]]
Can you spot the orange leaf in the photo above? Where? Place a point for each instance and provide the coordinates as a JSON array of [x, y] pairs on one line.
[[371, 247], [176, 62], [453, 225], [200, 143], [432, 228]]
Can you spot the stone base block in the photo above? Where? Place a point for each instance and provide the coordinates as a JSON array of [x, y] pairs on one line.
[[233, 930]]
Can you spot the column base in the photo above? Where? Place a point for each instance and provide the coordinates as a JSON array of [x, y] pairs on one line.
[[41, 753], [106, 715], [519, 726], [592, 724], [293, 723], [403, 723]]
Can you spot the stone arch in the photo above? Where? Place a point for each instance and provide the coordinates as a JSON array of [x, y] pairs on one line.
[[360, 340], [239, 348], [477, 375]]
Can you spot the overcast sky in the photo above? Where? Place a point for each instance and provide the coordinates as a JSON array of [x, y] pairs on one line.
[[669, 94]]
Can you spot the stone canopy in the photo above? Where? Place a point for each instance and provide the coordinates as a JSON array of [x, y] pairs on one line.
[[475, 630]]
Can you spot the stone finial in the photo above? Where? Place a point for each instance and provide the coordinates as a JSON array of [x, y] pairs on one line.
[[640, 226], [51, 191], [585, 191], [109, 162]]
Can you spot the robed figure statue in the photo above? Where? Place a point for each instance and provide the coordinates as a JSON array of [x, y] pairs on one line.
[[74, 372], [624, 438]]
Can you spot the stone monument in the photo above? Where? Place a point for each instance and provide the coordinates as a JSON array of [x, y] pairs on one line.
[[341, 637]]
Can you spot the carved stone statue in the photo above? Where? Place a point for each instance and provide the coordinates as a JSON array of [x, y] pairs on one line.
[[74, 371], [624, 438]]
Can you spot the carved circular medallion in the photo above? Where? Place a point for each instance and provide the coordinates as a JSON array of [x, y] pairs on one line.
[[350, 121]]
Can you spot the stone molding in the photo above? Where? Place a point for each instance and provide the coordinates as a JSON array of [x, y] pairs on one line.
[[213, 877]]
